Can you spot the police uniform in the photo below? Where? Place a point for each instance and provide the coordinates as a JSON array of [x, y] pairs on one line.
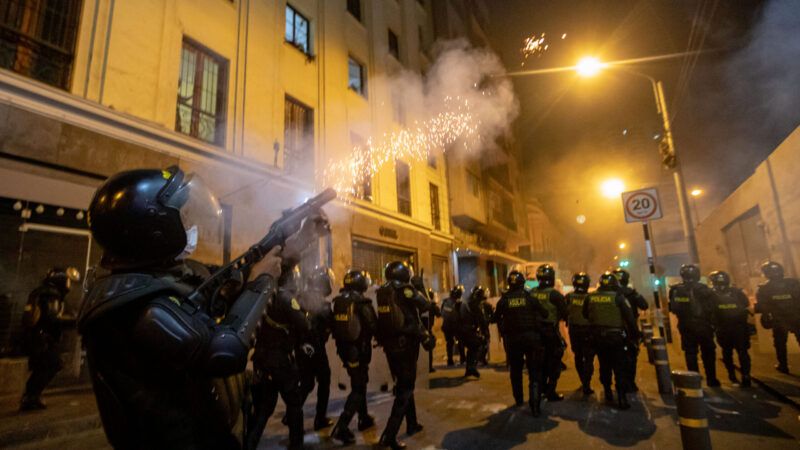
[[638, 304], [316, 368], [450, 313], [553, 342], [780, 300], [730, 319], [402, 352], [613, 323], [356, 355], [581, 338], [518, 317], [692, 302], [473, 323], [488, 314], [275, 367]]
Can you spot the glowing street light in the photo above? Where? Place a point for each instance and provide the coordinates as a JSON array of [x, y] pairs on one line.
[[612, 188], [589, 66], [581, 219], [622, 246], [696, 192]]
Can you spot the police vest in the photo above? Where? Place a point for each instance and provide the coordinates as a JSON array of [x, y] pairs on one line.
[[603, 310], [346, 321], [575, 309], [543, 295], [520, 315]]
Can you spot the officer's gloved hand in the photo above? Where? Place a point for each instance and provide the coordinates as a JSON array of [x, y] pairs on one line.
[[308, 349]]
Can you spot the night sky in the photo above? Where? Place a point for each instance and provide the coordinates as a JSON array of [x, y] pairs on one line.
[[730, 108]]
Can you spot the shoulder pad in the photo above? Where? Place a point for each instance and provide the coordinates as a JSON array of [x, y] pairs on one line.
[[114, 291]]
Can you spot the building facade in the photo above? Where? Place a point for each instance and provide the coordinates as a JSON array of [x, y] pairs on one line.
[[255, 96]]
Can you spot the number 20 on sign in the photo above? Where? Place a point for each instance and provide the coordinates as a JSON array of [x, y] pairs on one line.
[[642, 205]]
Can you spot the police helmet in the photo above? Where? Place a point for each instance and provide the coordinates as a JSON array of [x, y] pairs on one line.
[[581, 281], [546, 275], [478, 293], [457, 292], [398, 271], [322, 280], [609, 281], [690, 272], [62, 278], [772, 270], [623, 276], [149, 216], [720, 279], [515, 279], [357, 280]]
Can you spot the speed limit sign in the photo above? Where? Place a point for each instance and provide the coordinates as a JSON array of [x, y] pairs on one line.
[[642, 205]]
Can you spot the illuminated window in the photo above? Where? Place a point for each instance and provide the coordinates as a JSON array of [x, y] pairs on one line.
[[356, 77], [201, 94], [297, 30]]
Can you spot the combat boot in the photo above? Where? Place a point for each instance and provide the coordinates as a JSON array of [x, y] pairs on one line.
[[391, 442], [343, 434], [608, 395], [622, 400], [536, 400], [365, 422]]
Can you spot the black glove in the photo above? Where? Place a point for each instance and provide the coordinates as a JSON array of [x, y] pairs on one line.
[[428, 342]]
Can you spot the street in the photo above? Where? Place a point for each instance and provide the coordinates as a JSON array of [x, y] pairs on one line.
[[478, 414]]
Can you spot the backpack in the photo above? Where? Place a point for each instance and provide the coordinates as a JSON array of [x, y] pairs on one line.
[[450, 315], [391, 319], [346, 322]]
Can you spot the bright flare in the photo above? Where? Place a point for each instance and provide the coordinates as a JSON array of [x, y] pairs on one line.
[[612, 188], [581, 219], [622, 246], [697, 192], [589, 66]]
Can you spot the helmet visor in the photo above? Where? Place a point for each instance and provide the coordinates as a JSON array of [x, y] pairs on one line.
[[198, 206]]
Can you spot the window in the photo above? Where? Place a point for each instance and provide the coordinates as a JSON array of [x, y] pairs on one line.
[[356, 77], [201, 94], [37, 38], [298, 138], [354, 8], [432, 160], [436, 217], [364, 187], [403, 173], [473, 184], [297, 30], [394, 45], [373, 258]]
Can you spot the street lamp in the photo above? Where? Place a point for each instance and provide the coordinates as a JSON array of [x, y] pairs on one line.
[[612, 188], [622, 246], [589, 66], [696, 193]]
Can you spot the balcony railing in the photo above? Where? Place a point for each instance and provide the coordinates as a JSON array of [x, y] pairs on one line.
[[37, 38]]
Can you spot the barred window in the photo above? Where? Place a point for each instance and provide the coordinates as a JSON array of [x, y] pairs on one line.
[[298, 139], [37, 38], [354, 8], [403, 173], [297, 30], [436, 217], [202, 94], [356, 77]]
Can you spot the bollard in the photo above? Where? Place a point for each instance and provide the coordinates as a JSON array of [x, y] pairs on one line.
[[647, 332], [691, 410], [661, 361]]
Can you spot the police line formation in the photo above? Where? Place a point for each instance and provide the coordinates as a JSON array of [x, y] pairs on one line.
[[168, 339]]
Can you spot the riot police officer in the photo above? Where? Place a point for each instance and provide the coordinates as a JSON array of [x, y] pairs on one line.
[[285, 339], [638, 304], [354, 326], [613, 323], [43, 322], [313, 299], [488, 314], [693, 304], [556, 307], [730, 319], [450, 323], [401, 333], [429, 316], [779, 304], [156, 358], [580, 331], [472, 326], [518, 317]]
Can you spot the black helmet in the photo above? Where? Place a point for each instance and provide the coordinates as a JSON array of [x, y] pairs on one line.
[[546, 275], [61, 277], [149, 216], [720, 279], [689, 273], [772, 270], [581, 281], [457, 292], [515, 279], [322, 280], [398, 271], [478, 293], [357, 280], [609, 281], [623, 276]]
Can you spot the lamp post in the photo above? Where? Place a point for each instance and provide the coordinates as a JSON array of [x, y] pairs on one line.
[[590, 66], [696, 193]]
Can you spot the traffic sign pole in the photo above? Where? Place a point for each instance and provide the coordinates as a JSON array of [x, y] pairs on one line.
[[651, 261]]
